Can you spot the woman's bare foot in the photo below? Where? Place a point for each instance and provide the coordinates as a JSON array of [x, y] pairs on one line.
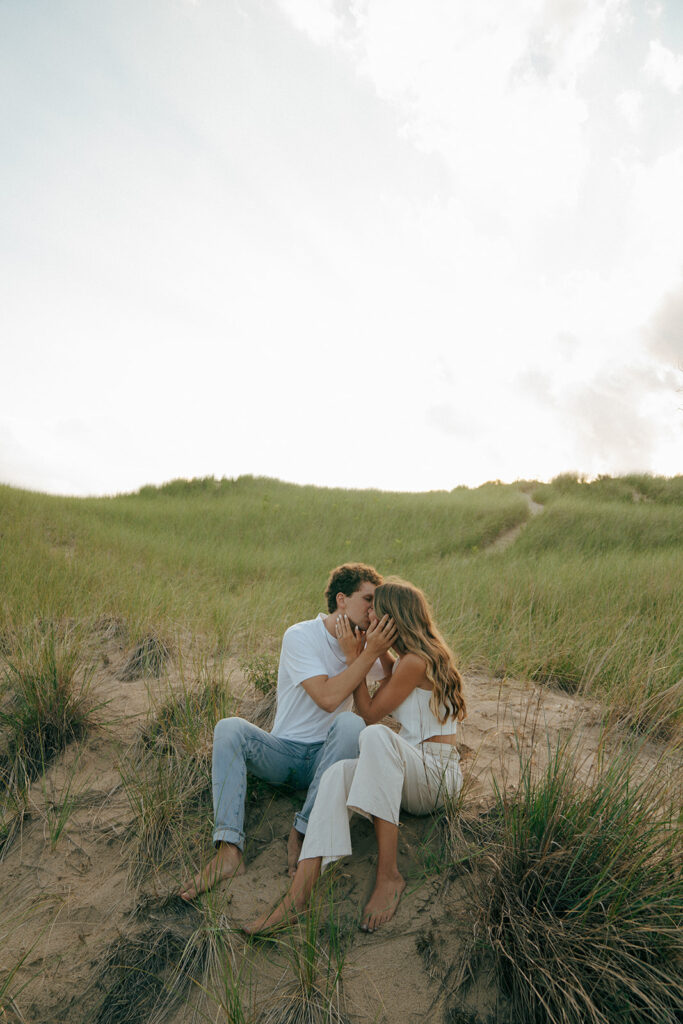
[[283, 913], [227, 862], [294, 844], [382, 904], [292, 903]]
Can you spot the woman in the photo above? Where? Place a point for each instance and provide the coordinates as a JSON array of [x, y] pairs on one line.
[[418, 769]]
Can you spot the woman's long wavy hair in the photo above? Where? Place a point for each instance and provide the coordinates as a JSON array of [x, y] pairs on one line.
[[417, 634]]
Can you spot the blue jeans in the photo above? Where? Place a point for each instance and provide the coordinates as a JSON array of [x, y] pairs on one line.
[[239, 746]]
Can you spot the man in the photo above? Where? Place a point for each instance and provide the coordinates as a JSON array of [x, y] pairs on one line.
[[314, 725]]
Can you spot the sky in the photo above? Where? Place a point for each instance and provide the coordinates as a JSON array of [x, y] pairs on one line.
[[356, 243]]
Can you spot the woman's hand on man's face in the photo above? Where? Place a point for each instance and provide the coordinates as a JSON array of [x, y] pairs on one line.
[[380, 636], [351, 641]]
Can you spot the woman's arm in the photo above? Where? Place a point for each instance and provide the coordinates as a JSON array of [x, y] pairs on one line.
[[409, 673]]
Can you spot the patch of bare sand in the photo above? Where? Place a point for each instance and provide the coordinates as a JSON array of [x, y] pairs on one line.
[[75, 899]]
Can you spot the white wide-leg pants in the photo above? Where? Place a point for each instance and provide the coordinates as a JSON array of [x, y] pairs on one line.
[[389, 774]]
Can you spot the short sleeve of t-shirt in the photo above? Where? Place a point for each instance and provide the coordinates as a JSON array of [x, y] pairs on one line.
[[302, 657]]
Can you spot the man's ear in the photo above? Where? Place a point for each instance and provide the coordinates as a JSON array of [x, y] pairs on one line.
[[341, 602]]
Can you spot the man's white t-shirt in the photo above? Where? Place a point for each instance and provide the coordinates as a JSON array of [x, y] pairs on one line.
[[308, 650]]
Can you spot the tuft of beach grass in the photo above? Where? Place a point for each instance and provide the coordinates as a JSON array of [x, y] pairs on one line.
[[576, 889]]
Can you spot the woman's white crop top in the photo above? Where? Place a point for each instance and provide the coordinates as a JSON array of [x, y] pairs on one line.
[[418, 721]]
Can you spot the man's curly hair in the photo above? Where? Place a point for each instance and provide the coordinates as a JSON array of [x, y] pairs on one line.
[[346, 579]]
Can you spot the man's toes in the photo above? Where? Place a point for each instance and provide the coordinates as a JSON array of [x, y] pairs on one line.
[[188, 892]]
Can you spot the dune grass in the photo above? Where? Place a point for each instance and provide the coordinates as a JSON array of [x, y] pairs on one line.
[[223, 558], [314, 948], [46, 704], [47, 701], [170, 953], [577, 890], [134, 972], [59, 804], [212, 963], [260, 673], [588, 596], [15, 922], [608, 627], [167, 776]]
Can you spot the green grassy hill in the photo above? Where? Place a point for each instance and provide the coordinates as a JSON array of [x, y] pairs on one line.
[[549, 891], [588, 595]]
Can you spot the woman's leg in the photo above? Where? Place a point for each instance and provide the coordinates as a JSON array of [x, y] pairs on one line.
[[389, 883], [327, 838], [380, 759], [293, 902], [340, 744], [410, 779]]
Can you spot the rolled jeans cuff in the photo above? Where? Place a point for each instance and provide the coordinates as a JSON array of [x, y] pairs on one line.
[[229, 835], [300, 824]]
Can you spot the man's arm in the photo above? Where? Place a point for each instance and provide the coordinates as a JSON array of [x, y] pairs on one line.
[[329, 692]]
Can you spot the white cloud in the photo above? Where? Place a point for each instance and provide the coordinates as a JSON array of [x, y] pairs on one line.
[[316, 18], [664, 333], [629, 104], [611, 419], [566, 34], [622, 418], [664, 66], [469, 83]]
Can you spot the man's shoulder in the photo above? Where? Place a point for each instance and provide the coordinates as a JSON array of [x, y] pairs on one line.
[[305, 628], [305, 647]]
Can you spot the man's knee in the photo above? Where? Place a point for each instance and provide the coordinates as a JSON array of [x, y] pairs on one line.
[[347, 724], [229, 732]]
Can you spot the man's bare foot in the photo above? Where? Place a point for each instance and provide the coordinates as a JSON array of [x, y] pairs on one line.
[[227, 862], [294, 843], [381, 906], [284, 912]]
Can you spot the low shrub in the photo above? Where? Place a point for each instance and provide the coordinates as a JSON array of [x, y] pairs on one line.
[[260, 672]]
